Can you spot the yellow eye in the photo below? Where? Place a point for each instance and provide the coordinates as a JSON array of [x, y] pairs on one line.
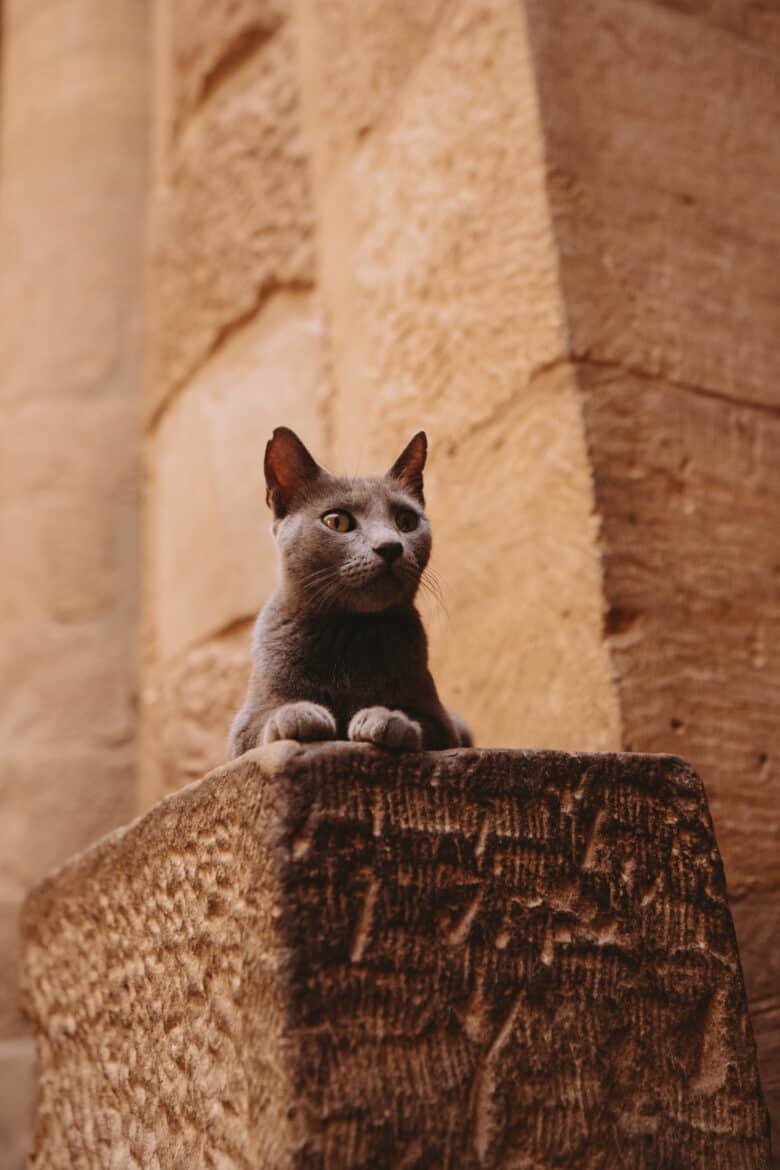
[[339, 521], [406, 519]]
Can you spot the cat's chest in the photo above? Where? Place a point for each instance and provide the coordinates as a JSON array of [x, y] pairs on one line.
[[358, 655]]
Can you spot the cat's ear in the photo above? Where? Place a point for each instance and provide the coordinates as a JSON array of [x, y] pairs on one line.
[[408, 467], [289, 470]]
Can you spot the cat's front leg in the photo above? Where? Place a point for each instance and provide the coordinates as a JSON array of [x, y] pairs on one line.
[[302, 721], [386, 728]]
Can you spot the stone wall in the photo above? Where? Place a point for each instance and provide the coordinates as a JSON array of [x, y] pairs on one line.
[[236, 346], [547, 234], [662, 132], [430, 299], [73, 160]]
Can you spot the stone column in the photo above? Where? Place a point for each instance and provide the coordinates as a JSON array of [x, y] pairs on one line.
[[662, 135], [73, 152]]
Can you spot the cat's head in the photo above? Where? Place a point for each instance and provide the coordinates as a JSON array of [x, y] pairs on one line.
[[358, 544]]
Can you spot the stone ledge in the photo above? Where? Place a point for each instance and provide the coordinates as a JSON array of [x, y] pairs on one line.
[[330, 957]]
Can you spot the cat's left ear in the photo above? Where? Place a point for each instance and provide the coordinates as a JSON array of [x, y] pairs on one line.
[[289, 471], [408, 467]]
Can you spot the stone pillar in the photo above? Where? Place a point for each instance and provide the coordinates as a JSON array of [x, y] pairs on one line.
[[333, 957], [73, 151], [235, 336], [661, 124]]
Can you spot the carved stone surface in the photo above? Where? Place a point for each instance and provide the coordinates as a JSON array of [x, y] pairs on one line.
[[331, 957]]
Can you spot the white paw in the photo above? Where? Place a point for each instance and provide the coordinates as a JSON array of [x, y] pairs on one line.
[[301, 721], [391, 729]]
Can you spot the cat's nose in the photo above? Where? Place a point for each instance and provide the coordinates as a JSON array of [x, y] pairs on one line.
[[389, 551]]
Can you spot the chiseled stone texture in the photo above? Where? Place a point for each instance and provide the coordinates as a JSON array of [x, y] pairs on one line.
[[231, 215], [334, 957]]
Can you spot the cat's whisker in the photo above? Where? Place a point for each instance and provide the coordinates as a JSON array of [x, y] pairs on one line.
[[317, 577], [429, 584]]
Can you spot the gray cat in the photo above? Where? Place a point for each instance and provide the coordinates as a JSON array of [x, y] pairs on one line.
[[339, 651]]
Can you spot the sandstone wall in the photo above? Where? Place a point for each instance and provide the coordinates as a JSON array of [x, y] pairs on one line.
[[73, 151], [355, 240], [236, 347], [548, 234], [662, 132]]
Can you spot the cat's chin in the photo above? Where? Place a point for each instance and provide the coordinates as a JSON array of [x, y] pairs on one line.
[[381, 594]]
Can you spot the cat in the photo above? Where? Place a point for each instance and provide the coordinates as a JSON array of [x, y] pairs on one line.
[[339, 651]]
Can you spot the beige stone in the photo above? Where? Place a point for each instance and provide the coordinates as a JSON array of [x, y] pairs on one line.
[[17, 1095], [664, 161], [11, 1021], [663, 152], [67, 691], [359, 60], [55, 804], [441, 291], [190, 703], [70, 508], [210, 40], [339, 957], [519, 580], [231, 216], [73, 157], [212, 556], [441, 281]]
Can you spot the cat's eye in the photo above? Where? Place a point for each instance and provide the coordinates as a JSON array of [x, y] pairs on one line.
[[338, 520], [406, 519]]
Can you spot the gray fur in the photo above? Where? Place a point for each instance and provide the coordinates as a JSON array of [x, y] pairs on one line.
[[339, 651]]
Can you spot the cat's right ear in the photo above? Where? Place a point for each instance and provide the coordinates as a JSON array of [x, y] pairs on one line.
[[289, 470]]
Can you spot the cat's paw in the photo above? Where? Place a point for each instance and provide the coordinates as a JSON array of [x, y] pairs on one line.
[[302, 721], [390, 729]]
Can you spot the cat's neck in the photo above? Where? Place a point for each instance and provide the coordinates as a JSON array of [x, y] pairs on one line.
[[287, 608]]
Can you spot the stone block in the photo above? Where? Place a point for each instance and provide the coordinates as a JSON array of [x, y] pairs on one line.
[[358, 59], [663, 152], [209, 40], [17, 1095], [691, 572], [231, 217], [189, 705], [523, 534], [335, 957], [208, 509], [757, 22], [437, 258]]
